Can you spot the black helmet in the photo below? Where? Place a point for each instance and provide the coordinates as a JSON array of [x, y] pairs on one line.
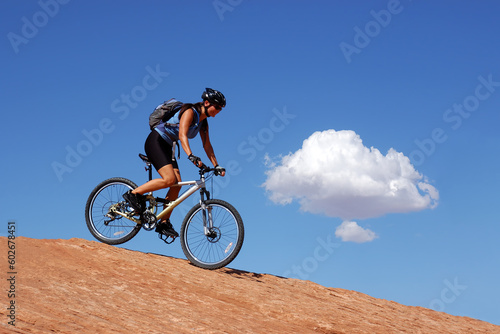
[[214, 96]]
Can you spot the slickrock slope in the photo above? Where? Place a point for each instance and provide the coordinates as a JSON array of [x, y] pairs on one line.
[[80, 286]]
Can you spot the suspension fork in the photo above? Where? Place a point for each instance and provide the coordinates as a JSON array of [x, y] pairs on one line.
[[206, 212]]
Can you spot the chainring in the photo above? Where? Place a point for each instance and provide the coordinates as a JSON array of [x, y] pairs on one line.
[[148, 221]]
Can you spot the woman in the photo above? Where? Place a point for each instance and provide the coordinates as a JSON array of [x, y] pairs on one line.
[[190, 120]]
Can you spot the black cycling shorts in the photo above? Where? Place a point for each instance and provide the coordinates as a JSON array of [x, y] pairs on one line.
[[159, 152]]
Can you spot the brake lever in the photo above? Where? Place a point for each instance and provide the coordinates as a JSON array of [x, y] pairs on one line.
[[204, 169]]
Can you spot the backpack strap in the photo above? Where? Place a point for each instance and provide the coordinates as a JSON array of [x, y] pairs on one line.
[[196, 113], [174, 144]]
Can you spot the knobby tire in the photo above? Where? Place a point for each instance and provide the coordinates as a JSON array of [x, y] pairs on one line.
[[107, 193], [212, 253]]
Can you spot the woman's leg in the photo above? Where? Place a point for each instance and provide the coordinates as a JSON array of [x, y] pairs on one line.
[[168, 178], [173, 193], [159, 153], [165, 227]]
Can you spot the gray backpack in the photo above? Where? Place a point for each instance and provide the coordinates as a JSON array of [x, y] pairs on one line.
[[164, 112]]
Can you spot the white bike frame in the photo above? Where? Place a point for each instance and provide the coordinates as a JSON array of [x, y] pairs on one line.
[[196, 185]]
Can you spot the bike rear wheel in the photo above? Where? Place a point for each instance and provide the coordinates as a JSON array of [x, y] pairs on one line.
[[110, 229], [220, 245]]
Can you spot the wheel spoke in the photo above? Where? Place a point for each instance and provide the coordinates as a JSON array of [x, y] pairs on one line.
[[223, 243], [104, 228]]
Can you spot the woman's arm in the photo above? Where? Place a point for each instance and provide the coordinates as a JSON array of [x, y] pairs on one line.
[[207, 145], [184, 123]]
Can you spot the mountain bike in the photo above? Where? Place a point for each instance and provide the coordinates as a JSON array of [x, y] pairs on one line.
[[211, 234]]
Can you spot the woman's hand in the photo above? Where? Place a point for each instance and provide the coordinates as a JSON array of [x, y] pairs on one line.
[[196, 160], [220, 171]]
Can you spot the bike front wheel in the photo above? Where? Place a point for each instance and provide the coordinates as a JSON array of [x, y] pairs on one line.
[[215, 245], [105, 225]]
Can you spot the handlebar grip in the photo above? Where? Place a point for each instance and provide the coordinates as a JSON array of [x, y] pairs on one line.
[[204, 168]]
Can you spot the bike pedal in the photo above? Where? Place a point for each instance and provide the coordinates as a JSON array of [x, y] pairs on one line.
[[166, 238]]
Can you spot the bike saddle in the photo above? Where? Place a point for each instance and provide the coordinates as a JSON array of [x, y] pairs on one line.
[[144, 158]]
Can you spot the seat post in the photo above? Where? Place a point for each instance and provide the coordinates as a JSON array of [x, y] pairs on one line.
[[149, 167]]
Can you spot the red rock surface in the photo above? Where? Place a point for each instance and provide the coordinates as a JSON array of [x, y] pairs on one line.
[[80, 286]]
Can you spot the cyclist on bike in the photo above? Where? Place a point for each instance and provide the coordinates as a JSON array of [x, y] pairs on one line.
[[160, 145]]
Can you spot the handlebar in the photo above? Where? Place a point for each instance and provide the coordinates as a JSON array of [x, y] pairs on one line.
[[205, 169]]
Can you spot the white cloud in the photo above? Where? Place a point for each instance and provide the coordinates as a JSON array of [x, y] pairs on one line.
[[351, 231], [336, 175]]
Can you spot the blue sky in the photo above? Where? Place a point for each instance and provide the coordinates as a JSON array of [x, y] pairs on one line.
[[415, 78]]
